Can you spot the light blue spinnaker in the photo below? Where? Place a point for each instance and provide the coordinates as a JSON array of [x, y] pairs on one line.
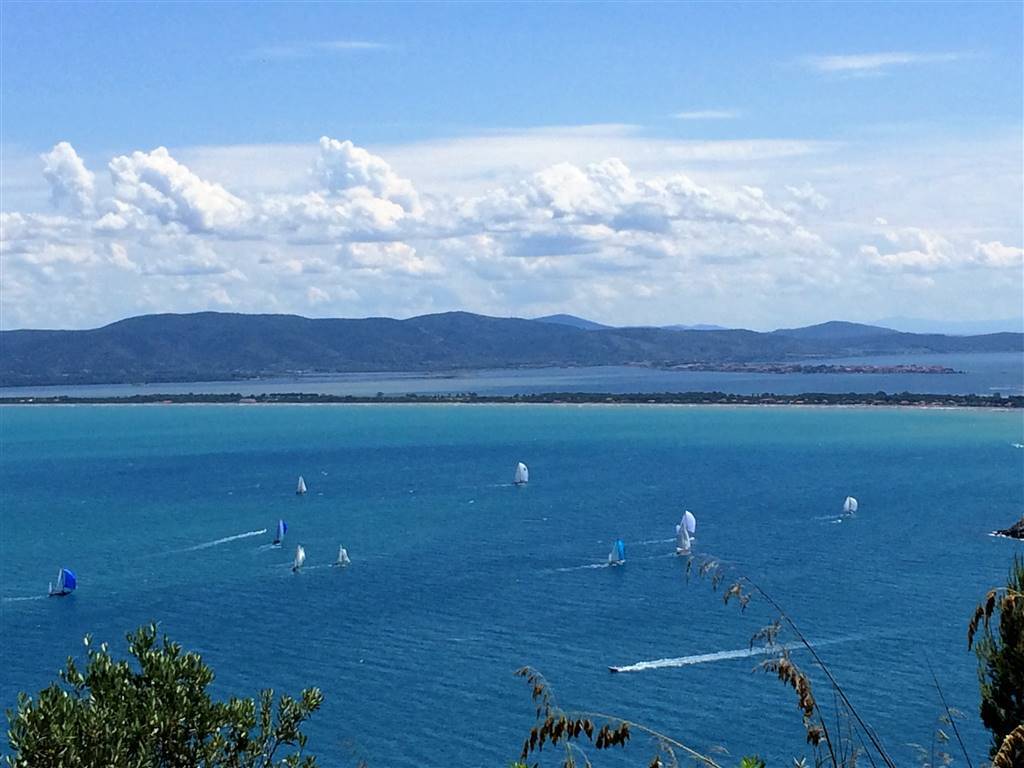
[[282, 529], [618, 554]]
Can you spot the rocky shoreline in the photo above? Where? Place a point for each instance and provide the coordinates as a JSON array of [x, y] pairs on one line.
[[1015, 531]]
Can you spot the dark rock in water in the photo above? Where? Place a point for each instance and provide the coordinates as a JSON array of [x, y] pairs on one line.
[[1015, 531]]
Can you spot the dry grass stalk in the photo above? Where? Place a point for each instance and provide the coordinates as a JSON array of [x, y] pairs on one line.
[[817, 731], [557, 727], [1011, 751], [1003, 598]]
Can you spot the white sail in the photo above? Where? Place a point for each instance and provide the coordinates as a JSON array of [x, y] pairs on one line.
[[300, 558], [850, 505], [689, 522], [343, 558], [522, 475], [683, 540], [301, 487], [60, 580], [618, 554]]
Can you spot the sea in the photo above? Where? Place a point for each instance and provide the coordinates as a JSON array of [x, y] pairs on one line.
[[458, 577]]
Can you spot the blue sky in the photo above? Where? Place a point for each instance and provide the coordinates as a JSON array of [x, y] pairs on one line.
[[898, 125], [175, 74]]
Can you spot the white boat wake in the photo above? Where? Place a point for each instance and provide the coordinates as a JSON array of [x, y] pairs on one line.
[[590, 566], [225, 540], [22, 599], [583, 567], [704, 658], [1017, 445]]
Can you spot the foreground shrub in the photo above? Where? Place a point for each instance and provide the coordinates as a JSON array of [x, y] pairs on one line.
[[154, 713]]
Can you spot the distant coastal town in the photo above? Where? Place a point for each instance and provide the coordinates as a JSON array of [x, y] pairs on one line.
[[804, 368], [904, 399]]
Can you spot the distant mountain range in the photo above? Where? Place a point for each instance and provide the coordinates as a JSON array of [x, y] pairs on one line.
[[590, 325], [217, 346]]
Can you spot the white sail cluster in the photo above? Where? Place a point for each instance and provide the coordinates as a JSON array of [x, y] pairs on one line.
[[850, 505], [685, 531]]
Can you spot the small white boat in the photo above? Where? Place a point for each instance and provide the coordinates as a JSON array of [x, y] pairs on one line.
[[685, 533], [850, 505], [301, 487], [618, 554], [66, 583], [282, 529], [343, 558], [300, 558], [522, 475]]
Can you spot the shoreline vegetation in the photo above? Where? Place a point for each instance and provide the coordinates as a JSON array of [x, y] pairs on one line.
[[882, 399]]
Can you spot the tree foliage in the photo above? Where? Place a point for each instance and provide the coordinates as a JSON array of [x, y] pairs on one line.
[[1000, 651], [154, 711]]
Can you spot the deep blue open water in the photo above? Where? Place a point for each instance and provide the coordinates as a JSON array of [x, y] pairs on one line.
[[458, 577]]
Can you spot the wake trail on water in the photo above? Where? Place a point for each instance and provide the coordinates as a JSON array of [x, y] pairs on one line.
[[225, 540], [739, 653], [22, 599], [583, 567], [591, 566]]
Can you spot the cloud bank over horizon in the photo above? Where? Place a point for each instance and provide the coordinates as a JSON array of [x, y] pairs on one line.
[[497, 225]]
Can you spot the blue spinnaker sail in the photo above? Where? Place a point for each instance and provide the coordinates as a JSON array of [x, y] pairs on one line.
[[620, 550], [282, 529], [68, 580]]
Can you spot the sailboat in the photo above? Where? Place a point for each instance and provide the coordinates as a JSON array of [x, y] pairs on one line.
[[301, 487], [300, 558], [618, 554], [522, 476], [684, 533], [282, 529], [850, 505], [343, 558], [66, 583]]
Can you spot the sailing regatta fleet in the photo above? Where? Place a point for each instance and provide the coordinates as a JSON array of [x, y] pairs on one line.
[[685, 537]]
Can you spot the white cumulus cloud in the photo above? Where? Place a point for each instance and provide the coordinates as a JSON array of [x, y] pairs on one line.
[[155, 183], [555, 228], [72, 185], [996, 255], [342, 167]]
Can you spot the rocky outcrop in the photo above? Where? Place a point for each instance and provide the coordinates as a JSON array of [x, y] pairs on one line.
[[1015, 531]]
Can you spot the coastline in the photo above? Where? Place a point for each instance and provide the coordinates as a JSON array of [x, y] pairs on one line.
[[812, 399]]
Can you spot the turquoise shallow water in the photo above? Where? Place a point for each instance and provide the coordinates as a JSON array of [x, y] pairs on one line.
[[458, 578]]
